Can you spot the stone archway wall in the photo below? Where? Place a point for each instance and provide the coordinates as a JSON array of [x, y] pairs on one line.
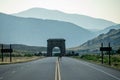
[[51, 43]]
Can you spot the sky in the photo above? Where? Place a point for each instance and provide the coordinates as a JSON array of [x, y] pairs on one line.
[[104, 9]]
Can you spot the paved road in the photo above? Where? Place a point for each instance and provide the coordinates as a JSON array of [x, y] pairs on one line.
[[45, 69], [72, 69]]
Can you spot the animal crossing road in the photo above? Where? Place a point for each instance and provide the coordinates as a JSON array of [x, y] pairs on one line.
[[68, 69]]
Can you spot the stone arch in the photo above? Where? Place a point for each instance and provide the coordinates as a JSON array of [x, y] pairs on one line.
[[60, 43]]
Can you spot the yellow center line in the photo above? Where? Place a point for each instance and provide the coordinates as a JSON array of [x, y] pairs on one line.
[[57, 71]]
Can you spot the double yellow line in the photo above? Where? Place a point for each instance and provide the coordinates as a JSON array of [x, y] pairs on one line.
[[57, 70]]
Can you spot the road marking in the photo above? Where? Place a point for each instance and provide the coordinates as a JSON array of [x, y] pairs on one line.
[[59, 75], [101, 71], [57, 71]]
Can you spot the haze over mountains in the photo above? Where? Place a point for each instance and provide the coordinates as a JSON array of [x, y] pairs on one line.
[[93, 45], [80, 20], [34, 26], [109, 28], [35, 32]]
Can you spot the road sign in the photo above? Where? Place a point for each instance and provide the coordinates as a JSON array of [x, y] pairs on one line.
[[10, 50], [6, 50], [105, 48]]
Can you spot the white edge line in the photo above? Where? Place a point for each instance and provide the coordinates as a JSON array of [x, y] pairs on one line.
[[102, 71]]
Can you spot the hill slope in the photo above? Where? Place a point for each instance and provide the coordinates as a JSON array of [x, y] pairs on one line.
[[108, 28], [20, 47], [113, 36], [35, 32], [80, 20]]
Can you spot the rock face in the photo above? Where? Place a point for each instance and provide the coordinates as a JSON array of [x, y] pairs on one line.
[[113, 36]]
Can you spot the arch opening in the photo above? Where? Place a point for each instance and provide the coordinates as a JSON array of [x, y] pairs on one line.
[[56, 51]]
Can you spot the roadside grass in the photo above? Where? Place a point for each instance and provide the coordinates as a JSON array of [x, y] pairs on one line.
[[115, 59], [19, 56], [19, 59]]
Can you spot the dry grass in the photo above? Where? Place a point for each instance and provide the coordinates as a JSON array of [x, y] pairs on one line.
[[19, 59]]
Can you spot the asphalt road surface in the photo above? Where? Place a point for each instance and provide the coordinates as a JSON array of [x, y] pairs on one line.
[[72, 69], [42, 69], [68, 69]]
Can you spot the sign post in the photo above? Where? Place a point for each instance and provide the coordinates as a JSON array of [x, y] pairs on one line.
[[102, 52], [2, 53], [106, 49], [109, 54], [7, 51], [10, 53]]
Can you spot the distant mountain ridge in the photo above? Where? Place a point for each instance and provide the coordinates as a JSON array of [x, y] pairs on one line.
[[21, 47], [80, 20], [113, 36], [31, 31], [108, 28]]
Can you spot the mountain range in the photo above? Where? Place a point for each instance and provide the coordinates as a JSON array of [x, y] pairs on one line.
[[80, 20], [109, 28], [34, 26], [35, 32], [25, 48], [93, 45]]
